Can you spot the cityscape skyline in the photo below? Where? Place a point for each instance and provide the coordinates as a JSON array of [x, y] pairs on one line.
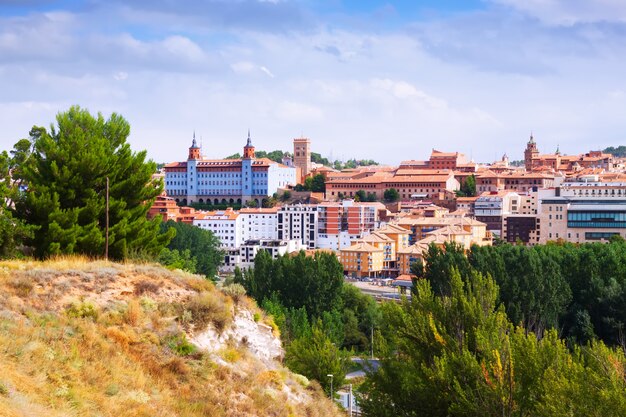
[[371, 80]]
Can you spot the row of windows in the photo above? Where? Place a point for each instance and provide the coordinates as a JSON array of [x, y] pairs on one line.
[[597, 225], [598, 216]]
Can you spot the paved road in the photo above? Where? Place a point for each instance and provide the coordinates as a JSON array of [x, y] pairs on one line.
[[366, 364]]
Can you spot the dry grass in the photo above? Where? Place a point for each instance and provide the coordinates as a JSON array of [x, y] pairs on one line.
[[76, 338]]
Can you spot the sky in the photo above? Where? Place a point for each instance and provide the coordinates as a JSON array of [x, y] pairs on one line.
[[368, 79]]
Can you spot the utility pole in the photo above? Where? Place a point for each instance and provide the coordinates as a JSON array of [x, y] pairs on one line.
[[106, 227], [350, 402]]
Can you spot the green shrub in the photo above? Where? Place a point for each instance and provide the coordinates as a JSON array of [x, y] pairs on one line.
[[82, 310], [180, 345], [235, 291], [209, 308]]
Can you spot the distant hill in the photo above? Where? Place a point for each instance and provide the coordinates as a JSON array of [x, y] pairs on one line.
[[278, 156], [94, 338], [619, 152]]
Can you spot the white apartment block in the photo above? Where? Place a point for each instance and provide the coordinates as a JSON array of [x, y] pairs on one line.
[[298, 221], [225, 224], [259, 223], [249, 250]]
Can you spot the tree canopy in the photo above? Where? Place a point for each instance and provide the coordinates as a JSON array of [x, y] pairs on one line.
[[194, 247], [457, 354], [64, 180]]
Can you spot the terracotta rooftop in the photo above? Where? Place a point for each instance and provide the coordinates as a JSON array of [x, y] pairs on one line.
[[362, 247]]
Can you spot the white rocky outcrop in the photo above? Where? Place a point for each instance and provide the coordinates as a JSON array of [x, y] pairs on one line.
[[244, 331]]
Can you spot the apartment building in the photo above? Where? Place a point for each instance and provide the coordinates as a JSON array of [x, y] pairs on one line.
[[225, 225], [362, 260], [419, 227], [300, 222], [259, 223], [493, 207], [342, 223], [250, 248], [582, 211]]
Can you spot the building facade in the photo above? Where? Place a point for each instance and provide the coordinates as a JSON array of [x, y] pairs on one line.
[[299, 222], [582, 212], [342, 223], [226, 181]]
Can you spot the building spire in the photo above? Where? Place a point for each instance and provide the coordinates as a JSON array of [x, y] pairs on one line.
[[193, 142], [249, 143]]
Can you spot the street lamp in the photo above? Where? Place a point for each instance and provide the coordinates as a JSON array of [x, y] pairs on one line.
[[331, 384]]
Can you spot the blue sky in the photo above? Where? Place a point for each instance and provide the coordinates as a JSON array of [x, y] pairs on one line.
[[367, 79]]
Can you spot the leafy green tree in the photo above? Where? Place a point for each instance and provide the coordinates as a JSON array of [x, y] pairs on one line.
[[360, 196], [202, 244], [285, 196], [318, 184], [316, 357], [308, 183], [458, 355], [174, 259], [391, 195], [234, 156], [13, 231], [251, 203], [468, 188], [371, 197], [65, 176]]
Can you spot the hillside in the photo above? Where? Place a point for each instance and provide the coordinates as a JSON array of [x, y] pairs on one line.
[[85, 338]]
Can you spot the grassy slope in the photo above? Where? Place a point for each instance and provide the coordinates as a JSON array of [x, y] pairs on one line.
[[81, 338]]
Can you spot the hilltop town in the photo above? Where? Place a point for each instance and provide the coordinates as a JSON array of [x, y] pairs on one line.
[[379, 220]]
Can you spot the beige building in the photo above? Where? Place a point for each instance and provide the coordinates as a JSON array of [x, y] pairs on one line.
[[362, 260], [582, 211]]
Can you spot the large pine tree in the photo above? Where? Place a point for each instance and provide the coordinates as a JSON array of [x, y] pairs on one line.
[[65, 188]]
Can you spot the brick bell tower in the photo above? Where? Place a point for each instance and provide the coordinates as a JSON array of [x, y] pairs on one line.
[[248, 150], [530, 153], [194, 150]]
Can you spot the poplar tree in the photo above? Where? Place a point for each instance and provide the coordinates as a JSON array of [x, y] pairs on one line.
[[64, 195]]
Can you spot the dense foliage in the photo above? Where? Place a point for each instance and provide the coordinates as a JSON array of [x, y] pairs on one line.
[[578, 289], [192, 248], [468, 188], [277, 156], [321, 319], [62, 173], [316, 184], [618, 152], [457, 354], [361, 195], [391, 195], [13, 231]]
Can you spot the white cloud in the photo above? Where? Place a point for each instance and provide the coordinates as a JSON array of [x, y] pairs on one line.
[[477, 83], [120, 76], [569, 12]]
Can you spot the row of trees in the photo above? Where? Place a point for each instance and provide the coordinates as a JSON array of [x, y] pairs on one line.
[[278, 155], [580, 290], [390, 195], [456, 353], [322, 320], [54, 188]]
